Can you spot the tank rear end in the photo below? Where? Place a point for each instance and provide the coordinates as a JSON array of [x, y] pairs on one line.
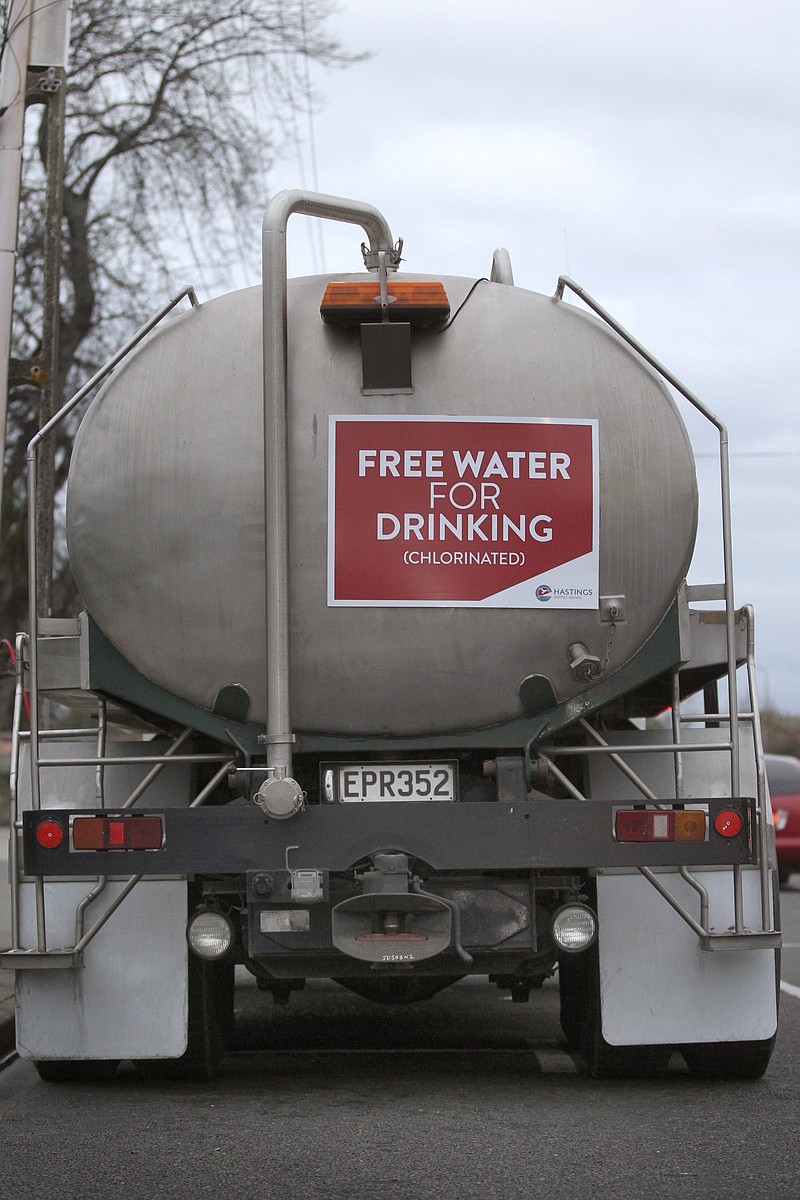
[[478, 562]]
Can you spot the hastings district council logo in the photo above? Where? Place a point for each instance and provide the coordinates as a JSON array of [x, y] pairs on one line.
[[544, 592]]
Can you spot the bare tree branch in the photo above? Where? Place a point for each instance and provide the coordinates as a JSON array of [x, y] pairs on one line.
[[174, 112]]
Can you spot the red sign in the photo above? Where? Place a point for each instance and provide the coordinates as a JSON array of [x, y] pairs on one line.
[[463, 511]]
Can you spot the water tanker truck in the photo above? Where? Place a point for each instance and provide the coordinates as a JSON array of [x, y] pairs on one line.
[[383, 581]]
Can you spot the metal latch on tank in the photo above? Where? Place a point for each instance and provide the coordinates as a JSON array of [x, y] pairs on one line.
[[280, 797], [584, 665], [305, 886]]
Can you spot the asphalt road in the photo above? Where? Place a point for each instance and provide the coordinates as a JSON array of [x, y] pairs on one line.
[[466, 1096]]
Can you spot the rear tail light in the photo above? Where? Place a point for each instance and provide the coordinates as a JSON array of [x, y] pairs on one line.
[[117, 833], [670, 825]]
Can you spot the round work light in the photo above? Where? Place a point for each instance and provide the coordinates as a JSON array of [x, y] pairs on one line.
[[574, 928], [210, 934]]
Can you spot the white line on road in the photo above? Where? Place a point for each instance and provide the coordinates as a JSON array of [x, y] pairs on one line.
[[790, 989], [555, 1062]]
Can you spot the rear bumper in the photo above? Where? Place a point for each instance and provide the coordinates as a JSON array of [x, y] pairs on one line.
[[527, 835]]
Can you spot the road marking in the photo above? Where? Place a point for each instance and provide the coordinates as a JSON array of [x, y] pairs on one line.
[[555, 1062], [790, 989]]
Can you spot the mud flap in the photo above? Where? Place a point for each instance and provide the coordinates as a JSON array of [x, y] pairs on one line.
[[659, 986], [130, 998]]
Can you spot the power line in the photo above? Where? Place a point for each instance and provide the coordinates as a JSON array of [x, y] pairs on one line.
[[754, 454]]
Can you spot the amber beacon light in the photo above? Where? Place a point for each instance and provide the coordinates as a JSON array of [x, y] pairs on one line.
[[418, 303]]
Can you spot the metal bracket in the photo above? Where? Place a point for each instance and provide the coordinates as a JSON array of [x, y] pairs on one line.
[[36, 960], [43, 84], [372, 257], [755, 939], [612, 609]]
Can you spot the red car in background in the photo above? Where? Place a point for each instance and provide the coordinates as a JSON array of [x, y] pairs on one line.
[[783, 777]]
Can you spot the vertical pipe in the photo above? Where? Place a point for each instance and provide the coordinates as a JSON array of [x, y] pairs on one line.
[[33, 657], [767, 920], [102, 731], [276, 507], [278, 737], [13, 791], [676, 734], [730, 610], [33, 619]]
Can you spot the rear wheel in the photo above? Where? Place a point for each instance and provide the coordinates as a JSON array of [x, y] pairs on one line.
[[604, 1060], [572, 998], [729, 1060], [210, 993], [225, 993], [96, 1070]]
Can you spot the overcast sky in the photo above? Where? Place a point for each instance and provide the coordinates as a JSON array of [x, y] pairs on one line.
[[651, 151]]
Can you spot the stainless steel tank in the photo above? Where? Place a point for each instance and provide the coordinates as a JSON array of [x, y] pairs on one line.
[[165, 518]]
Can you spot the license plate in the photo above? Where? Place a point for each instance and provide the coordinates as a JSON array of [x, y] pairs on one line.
[[358, 783]]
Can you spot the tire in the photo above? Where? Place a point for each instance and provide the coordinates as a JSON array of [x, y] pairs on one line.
[[225, 995], [729, 1060], [604, 1060], [97, 1070], [205, 1043], [572, 998]]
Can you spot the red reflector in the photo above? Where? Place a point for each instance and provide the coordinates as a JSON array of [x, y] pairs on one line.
[[728, 823], [419, 302], [117, 833], [670, 825], [49, 834]]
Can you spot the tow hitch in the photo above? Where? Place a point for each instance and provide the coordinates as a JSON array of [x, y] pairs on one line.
[[389, 922]]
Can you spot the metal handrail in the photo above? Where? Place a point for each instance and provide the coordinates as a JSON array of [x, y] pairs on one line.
[[13, 785], [82, 938], [761, 771], [725, 498], [32, 473], [678, 748], [102, 760]]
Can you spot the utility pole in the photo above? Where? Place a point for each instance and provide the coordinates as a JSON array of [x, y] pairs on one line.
[[13, 76], [49, 88], [34, 72]]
